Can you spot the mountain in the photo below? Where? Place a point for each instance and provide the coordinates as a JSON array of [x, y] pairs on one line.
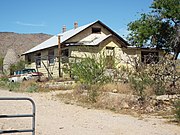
[[20, 42]]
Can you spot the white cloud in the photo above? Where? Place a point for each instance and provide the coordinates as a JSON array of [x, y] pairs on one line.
[[30, 24]]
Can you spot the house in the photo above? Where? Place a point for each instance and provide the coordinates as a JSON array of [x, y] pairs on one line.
[[77, 43]]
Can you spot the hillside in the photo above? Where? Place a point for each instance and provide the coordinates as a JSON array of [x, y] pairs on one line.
[[20, 42]]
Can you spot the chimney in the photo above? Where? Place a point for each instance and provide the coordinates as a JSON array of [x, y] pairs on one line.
[[64, 29], [75, 25]]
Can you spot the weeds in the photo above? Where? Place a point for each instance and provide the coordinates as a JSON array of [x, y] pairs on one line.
[[32, 88], [177, 110], [14, 86], [139, 82], [118, 87], [4, 81], [93, 93]]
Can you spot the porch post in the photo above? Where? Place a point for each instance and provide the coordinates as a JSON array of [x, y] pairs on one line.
[[59, 54]]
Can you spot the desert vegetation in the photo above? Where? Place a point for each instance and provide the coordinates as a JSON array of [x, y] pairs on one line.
[[142, 89]]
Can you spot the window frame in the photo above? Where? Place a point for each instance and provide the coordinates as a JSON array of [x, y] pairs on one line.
[[29, 60], [96, 30], [65, 55], [51, 57], [38, 59]]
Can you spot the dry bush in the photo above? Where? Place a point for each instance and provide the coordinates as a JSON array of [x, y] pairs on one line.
[[116, 102], [26, 84], [78, 97], [32, 86], [123, 88], [149, 91], [29, 86], [57, 85]]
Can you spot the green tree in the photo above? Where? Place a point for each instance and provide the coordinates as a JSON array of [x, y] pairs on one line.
[[18, 66], [160, 27]]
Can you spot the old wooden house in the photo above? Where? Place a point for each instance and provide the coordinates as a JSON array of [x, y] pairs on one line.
[[54, 54]]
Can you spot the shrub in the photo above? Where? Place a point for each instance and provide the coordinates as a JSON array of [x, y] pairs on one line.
[[32, 88], [4, 83], [1, 64], [14, 86], [165, 75], [90, 71], [4, 78], [93, 93], [177, 110], [139, 82], [18, 66]]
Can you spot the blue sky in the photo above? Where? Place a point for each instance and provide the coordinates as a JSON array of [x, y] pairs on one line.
[[48, 16]]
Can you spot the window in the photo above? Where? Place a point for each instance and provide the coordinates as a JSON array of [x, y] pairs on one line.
[[65, 52], [65, 55], [110, 62], [51, 56], [149, 57], [96, 30], [109, 51], [38, 59], [109, 48], [29, 59]]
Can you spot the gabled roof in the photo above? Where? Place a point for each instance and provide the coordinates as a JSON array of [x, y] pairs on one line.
[[53, 41]]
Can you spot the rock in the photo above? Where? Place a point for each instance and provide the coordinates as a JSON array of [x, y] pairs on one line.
[[125, 105], [167, 97], [114, 91], [149, 109], [61, 127]]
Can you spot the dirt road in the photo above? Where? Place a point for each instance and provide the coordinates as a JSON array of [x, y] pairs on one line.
[[56, 118]]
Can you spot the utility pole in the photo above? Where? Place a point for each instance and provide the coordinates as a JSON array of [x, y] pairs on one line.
[[59, 54]]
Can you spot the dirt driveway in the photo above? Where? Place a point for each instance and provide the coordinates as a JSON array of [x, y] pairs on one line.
[[56, 118]]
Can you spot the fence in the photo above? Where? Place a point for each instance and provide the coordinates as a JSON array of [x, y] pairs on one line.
[[19, 116]]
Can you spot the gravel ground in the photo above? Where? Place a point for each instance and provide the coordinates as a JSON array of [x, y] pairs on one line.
[[53, 117]]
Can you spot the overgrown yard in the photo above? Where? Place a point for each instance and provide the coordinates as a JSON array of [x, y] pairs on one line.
[[55, 117], [120, 98], [148, 90], [117, 97]]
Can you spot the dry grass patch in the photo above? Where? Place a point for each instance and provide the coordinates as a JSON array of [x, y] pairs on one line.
[[121, 101], [123, 88], [78, 96], [32, 86]]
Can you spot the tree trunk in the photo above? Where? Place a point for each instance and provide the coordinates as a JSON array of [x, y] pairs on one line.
[[176, 55]]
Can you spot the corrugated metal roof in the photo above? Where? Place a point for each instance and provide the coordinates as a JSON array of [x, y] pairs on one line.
[[53, 41], [46, 44]]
